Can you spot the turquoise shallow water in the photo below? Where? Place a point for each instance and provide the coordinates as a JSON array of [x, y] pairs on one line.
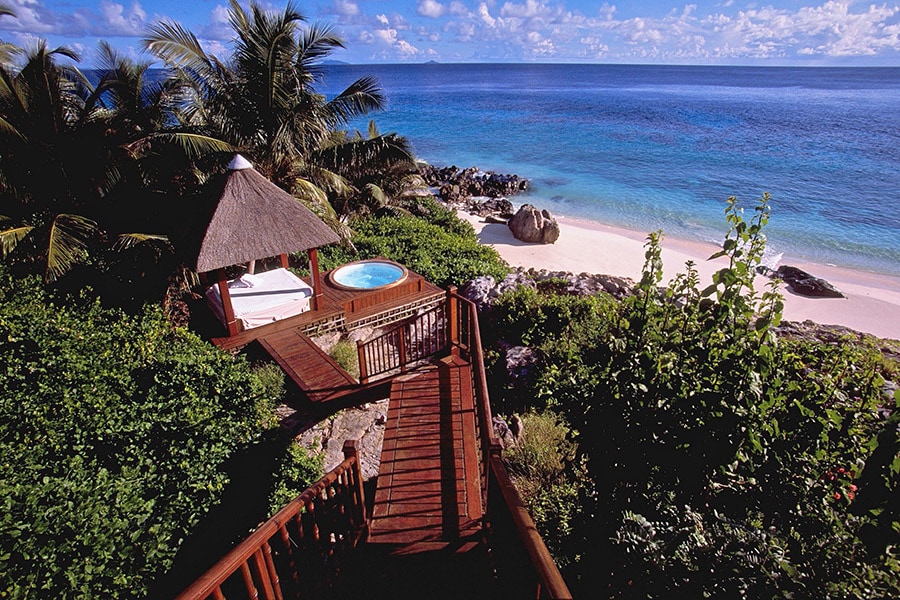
[[663, 147]]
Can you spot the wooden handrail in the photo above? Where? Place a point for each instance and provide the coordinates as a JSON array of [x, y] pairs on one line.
[[314, 514], [405, 345], [549, 580], [472, 346]]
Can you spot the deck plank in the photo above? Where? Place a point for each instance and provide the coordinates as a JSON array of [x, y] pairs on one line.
[[307, 365], [428, 486]]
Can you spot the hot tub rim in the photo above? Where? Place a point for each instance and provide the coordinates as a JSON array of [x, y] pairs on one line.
[[404, 273]]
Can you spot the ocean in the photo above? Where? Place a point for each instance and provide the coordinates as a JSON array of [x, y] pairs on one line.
[[662, 147]]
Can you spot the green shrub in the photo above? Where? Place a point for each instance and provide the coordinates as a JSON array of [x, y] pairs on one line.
[[295, 471], [543, 469], [116, 436], [440, 253], [726, 461], [346, 355]]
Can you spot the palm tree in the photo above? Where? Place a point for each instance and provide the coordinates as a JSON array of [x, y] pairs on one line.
[[263, 100], [46, 171], [379, 170], [74, 153]]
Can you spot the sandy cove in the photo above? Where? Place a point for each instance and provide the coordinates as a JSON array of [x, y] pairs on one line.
[[872, 303]]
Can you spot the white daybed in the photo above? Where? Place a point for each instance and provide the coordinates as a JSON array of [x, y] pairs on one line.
[[262, 298]]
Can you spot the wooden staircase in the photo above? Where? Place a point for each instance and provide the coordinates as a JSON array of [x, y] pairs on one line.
[[446, 521], [426, 535], [429, 486]]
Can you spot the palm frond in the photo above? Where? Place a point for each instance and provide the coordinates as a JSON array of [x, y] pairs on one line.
[[194, 145], [126, 241], [8, 52], [10, 238], [68, 243], [309, 192], [8, 128], [377, 194], [316, 43], [177, 46], [362, 97]]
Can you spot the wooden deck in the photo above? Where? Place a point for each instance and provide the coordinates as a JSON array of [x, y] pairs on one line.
[[314, 372], [426, 538], [341, 309], [429, 486]]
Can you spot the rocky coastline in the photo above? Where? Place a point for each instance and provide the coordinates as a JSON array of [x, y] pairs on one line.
[[484, 194]]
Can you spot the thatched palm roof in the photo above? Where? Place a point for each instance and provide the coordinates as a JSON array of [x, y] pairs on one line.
[[255, 219]]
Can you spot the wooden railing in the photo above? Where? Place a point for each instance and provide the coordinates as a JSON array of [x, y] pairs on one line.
[[515, 539], [395, 351], [453, 327], [508, 508], [299, 550]]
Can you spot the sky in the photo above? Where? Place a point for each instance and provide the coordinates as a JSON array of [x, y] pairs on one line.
[[732, 32]]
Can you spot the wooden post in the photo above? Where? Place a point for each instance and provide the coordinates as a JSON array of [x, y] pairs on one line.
[[453, 318], [227, 308], [314, 276], [363, 368], [284, 260], [402, 348], [351, 448]]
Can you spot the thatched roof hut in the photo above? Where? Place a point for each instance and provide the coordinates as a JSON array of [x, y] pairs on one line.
[[256, 219]]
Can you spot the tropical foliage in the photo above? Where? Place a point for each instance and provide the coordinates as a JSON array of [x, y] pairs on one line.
[[81, 159], [436, 244], [263, 102], [722, 460], [119, 437]]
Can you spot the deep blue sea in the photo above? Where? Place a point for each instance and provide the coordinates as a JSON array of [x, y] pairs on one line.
[[663, 147]]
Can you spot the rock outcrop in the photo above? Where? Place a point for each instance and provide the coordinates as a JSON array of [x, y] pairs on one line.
[[534, 226], [457, 185], [801, 282]]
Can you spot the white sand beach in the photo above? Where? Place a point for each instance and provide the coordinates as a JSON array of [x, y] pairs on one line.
[[872, 303]]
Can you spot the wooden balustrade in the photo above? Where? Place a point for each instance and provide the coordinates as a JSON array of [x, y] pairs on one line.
[[298, 550], [548, 581], [454, 327], [394, 351]]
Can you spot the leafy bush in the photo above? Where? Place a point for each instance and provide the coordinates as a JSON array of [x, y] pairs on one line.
[[727, 461], [438, 252], [543, 468], [346, 355], [116, 435]]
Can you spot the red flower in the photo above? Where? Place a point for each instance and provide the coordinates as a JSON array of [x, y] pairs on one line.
[[837, 495]]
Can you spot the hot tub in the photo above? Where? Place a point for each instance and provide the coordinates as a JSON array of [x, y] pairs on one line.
[[373, 274]]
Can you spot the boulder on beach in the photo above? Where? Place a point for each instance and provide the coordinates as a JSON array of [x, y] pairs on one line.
[[534, 226], [801, 282]]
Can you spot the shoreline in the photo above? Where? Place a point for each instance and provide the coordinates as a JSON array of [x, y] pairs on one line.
[[871, 306]]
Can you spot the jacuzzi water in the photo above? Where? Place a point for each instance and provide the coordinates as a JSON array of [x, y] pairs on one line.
[[368, 274]]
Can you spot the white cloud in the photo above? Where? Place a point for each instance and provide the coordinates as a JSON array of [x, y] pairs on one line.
[[346, 8], [458, 9], [530, 9], [219, 27], [485, 15], [116, 20], [431, 9]]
